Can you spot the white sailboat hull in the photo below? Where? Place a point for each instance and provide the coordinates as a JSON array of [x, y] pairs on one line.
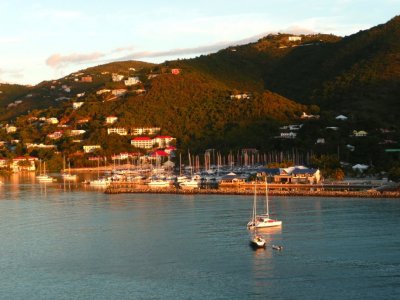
[[257, 242], [264, 223]]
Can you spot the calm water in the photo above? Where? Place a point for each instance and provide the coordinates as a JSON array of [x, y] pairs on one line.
[[60, 243]]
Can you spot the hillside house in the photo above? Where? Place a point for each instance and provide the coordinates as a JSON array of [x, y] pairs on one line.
[[11, 128], [52, 120], [240, 96], [306, 116], [360, 133], [83, 120], [23, 163], [111, 119], [76, 105], [87, 78], [294, 38], [119, 92], [142, 142], [90, 148], [145, 130], [80, 95], [121, 156], [175, 71], [3, 163], [103, 91], [132, 81], [117, 130], [288, 135], [55, 135], [320, 141], [341, 118], [116, 77], [40, 146], [163, 140], [75, 132]]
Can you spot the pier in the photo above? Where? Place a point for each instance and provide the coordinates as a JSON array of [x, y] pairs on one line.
[[319, 190]]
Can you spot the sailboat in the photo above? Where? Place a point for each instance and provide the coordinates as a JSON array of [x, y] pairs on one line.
[[257, 241], [68, 175], [263, 220], [43, 177], [100, 181]]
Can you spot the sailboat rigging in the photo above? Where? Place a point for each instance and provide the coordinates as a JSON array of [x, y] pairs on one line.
[[262, 220]]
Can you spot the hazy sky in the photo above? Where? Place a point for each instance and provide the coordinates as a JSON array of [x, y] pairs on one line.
[[43, 40]]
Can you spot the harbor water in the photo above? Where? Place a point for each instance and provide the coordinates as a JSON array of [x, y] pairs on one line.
[[63, 242]]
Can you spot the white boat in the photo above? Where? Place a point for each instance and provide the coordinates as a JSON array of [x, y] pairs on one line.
[[190, 184], [43, 177], [68, 175], [262, 220], [100, 182], [257, 241], [158, 184]]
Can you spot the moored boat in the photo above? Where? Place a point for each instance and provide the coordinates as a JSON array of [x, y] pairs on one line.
[[257, 241]]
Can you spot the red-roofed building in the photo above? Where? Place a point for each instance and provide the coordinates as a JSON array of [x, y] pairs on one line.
[[170, 149], [175, 71], [159, 153], [142, 142]]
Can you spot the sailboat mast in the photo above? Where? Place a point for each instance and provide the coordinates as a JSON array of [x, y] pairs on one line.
[[255, 204], [266, 197]]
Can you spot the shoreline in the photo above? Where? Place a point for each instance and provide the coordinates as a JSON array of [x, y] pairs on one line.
[[230, 191]]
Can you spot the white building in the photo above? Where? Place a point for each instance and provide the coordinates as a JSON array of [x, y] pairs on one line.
[[145, 130], [111, 119], [132, 81], [162, 140], [116, 77], [341, 118], [77, 105], [142, 142], [118, 92], [90, 148], [10, 128], [103, 91], [117, 130], [52, 120], [288, 135], [294, 38], [75, 132]]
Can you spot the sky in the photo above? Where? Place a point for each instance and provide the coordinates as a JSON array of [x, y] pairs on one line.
[[46, 40]]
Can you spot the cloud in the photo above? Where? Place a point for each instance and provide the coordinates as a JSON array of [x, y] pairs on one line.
[[58, 61], [11, 75]]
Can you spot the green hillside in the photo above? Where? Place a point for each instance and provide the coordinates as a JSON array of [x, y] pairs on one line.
[[244, 96]]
